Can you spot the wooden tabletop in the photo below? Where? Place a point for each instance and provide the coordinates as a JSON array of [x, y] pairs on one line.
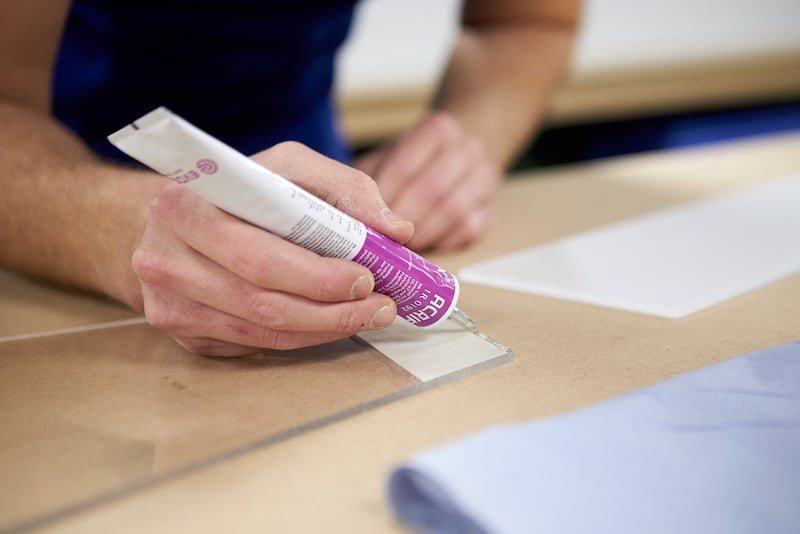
[[332, 478]]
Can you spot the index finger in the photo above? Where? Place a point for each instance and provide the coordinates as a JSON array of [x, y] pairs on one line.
[[345, 188]]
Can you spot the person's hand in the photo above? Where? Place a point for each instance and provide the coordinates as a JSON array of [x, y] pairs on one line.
[[438, 177], [223, 287]]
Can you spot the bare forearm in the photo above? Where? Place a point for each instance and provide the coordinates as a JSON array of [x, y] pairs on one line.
[[66, 216], [502, 74]]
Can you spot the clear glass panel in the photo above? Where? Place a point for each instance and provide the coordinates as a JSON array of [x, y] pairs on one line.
[[89, 415]]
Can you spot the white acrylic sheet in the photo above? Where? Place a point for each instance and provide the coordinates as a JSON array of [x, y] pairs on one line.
[[669, 263]]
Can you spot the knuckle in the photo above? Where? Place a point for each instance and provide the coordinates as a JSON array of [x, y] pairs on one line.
[[327, 289], [358, 180], [283, 157], [268, 311], [360, 188], [278, 340], [167, 202], [445, 124], [349, 320], [151, 268], [286, 149], [250, 264], [436, 190], [165, 315], [293, 146], [160, 317]]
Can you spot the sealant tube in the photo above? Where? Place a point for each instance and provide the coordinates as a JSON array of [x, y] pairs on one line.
[[425, 294]]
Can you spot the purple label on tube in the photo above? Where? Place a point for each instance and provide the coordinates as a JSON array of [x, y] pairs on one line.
[[425, 294]]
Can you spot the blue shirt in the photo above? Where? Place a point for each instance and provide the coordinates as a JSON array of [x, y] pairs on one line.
[[250, 72]]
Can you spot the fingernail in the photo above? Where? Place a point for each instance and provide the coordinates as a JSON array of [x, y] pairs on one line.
[[383, 317], [362, 287], [392, 217]]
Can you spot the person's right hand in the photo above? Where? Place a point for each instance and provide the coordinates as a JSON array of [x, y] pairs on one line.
[[222, 287]]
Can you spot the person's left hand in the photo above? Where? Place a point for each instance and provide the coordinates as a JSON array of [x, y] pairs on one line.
[[440, 178]]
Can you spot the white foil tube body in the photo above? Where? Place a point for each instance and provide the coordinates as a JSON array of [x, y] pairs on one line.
[[424, 293]]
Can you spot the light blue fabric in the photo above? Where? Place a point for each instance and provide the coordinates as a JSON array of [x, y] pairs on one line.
[[713, 451]]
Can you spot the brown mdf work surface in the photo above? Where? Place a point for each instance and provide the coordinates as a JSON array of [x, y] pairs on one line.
[[567, 355], [28, 307]]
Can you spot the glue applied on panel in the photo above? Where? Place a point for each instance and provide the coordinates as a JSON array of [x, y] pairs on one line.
[[424, 293]]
